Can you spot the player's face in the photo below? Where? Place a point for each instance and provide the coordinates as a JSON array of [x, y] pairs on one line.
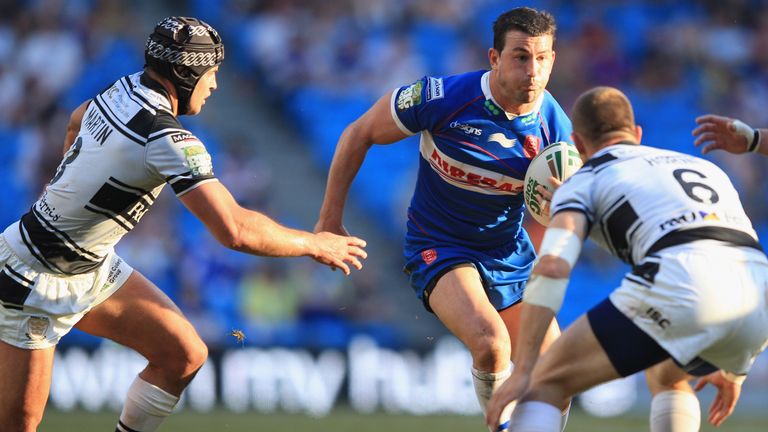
[[522, 69], [205, 86]]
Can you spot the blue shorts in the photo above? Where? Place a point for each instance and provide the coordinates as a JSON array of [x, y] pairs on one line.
[[503, 271]]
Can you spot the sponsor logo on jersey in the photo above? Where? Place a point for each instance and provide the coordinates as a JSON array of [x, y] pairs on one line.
[[47, 209], [435, 89], [97, 126], [465, 176], [199, 160], [37, 327], [529, 119], [410, 96], [502, 140], [182, 136], [657, 317], [429, 256], [688, 217], [531, 146], [114, 272], [467, 129], [119, 103]]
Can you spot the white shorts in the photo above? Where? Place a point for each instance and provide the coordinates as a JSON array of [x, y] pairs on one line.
[[705, 300], [38, 308]]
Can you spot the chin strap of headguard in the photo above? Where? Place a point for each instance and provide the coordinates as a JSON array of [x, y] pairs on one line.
[[181, 50]]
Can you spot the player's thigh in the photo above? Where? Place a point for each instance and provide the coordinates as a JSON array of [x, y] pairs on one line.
[[511, 318], [25, 380], [460, 302], [573, 363], [140, 316], [667, 376]]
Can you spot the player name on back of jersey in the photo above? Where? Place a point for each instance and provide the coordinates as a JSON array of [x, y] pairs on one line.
[[97, 126]]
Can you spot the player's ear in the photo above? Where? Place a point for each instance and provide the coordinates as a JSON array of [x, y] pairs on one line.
[[493, 57], [579, 143], [639, 133]]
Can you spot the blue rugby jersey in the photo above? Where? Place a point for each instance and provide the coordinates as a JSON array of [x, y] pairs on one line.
[[473, 158]]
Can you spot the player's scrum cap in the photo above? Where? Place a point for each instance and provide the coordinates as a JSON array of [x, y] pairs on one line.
[[186, 42]]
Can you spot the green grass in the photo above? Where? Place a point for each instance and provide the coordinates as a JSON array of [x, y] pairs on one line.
[[347, 421]]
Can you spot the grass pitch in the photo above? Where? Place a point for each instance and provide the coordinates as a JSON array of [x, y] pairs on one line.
[[343, 420]]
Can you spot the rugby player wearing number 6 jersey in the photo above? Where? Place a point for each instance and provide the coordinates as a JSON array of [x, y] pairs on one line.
[[466, 253], [58, 268], [694, 303]]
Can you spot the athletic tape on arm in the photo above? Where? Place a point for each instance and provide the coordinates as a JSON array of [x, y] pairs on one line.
[[546, 291], [752, 135], [561, 243]]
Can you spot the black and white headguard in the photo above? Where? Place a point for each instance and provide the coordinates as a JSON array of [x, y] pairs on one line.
[[182, 49]]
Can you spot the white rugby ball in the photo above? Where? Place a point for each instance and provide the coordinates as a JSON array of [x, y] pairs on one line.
[[559, 160]]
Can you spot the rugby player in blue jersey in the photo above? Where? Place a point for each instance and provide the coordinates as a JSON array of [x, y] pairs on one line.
[[467, 254]]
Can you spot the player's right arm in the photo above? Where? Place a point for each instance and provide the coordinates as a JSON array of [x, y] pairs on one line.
[[252, 232], [73, 127], [732, 135], [376, 126]]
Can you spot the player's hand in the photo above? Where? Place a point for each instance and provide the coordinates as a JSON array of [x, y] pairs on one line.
[[728, 393], [545, 195], [337, 251], [718, 133], [513, 389]]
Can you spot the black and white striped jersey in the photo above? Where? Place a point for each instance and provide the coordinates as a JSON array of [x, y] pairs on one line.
[[129, 146], [640, 199]]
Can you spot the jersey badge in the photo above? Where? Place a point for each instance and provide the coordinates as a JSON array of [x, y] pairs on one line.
[[531, 146], [410, 96], [199, 160], [429, 256], [37, 327]]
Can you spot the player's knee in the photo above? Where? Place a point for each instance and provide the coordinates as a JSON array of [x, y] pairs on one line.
[[196, 355], [188, 358], [491, 353]]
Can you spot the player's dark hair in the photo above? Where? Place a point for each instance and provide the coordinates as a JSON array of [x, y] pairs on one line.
[[602, 111], [527, 20]]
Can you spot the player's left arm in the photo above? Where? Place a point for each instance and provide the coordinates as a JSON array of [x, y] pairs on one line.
[[73, 127], [716, 132], [543, 297]]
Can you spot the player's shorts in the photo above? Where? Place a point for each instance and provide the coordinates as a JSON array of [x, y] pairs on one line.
[[503, 271], [38, 308], [703, 303]]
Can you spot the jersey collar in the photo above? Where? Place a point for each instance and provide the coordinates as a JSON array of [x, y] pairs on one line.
[[156, 87], [494, 107]]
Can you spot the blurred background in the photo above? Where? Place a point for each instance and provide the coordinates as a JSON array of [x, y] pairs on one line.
[[320, 346]]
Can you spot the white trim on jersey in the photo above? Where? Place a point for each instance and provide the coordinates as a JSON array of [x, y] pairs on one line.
[[485, 85], [466, 176]]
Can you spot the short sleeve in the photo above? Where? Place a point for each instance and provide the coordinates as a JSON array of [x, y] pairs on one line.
[[180, 159], [576, 195], [416, 107]]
